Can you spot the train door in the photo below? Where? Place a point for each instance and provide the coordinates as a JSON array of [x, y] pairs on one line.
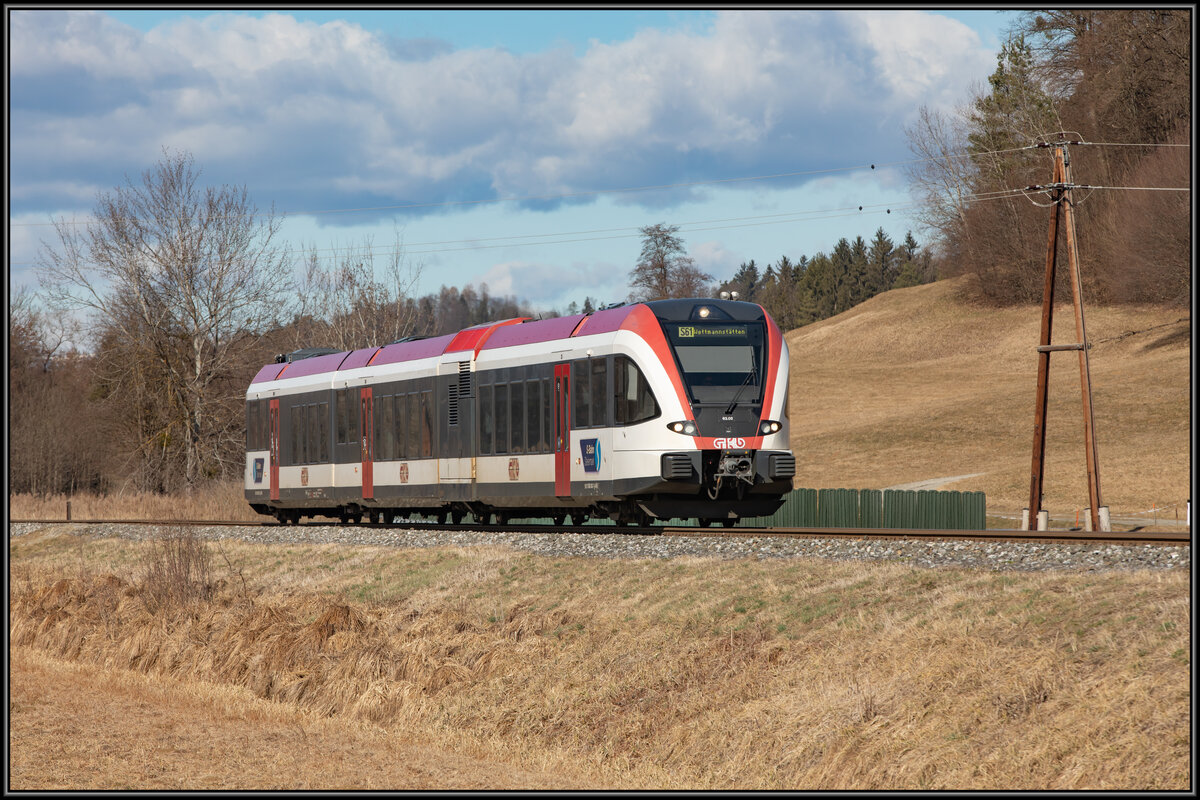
[[273, 445], [562, 430], [368, 442]]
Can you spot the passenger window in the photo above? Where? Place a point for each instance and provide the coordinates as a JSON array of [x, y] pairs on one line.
[[486, 429], [599, 392], [401, 417], [387, 408], [426, 425], [633, 401], [413, 426], [581, 389], [533, 422], [323, 432], [297, 434], [548, 414], [518, 417], [502, 419]]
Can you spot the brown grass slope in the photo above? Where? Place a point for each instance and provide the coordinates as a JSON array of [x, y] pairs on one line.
[[671, 674], [916, 384]]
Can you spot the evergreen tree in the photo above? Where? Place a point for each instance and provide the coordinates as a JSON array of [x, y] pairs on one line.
[[881, 259]]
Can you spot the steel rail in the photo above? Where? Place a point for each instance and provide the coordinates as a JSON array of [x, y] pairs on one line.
[[1164, 538]]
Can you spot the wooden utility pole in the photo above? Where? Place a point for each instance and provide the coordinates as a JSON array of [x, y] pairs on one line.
[[1061, 187]]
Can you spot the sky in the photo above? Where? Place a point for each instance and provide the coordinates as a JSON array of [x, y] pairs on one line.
[[521, 149]]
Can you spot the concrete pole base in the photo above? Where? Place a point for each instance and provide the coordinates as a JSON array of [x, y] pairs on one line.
[[1043, 521], [1024, 519]]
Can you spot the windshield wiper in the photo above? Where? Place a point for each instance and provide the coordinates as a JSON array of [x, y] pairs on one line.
[[751, 375]]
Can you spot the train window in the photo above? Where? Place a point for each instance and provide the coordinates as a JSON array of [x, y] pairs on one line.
[[633, 401], [517, 407], [413, 427], [263, 427], [297, 416], [386, 429], [581, 389], [486, 424], [313, 427], [533, 418], [599, 392], [502, 418], [400, 415], [547, 413], [426, 424], [341, 410], [323, 432], [251, 443]]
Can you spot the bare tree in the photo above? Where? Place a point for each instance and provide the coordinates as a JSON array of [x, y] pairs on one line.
[[348, 306], [181, 281], [664, 269]]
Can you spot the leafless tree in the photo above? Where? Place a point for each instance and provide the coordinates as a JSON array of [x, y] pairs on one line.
[[180, 280], [349, 306], [664, 270]]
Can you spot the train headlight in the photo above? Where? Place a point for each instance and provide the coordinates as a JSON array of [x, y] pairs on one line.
[[686, 427], [769, 426]]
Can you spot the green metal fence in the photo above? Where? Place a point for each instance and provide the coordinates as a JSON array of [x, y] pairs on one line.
[[856, 508], [875, 508]]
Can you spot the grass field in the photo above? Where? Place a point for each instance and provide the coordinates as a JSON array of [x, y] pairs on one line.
[[915, 384], [328, 667]]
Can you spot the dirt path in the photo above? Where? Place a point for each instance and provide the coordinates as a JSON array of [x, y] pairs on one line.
[[74, 727]]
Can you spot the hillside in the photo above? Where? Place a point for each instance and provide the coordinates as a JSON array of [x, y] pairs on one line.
[[916, 385]]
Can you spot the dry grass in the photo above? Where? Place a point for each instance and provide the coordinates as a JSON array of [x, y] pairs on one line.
[[914, 384], [683, 674], [223, 501]]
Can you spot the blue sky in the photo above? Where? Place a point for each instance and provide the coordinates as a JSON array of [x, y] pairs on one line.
[[512, 148]]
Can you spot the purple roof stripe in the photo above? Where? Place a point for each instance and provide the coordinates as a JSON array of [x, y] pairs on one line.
[[530, 332], [411, 351], [315, 366], [359, 358], [268, 373], [606, 321]]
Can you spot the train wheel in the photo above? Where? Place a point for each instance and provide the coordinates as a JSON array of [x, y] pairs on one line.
[[456, 517], [343, 516], [440, 517], [704, 523], [559, 519], [729, 523]]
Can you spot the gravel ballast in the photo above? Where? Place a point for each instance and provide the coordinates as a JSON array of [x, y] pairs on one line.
[[997, 556]]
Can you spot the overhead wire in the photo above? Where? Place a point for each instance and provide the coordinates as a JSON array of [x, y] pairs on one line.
[[481, 243]]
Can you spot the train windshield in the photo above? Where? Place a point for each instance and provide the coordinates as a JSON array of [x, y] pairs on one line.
[[721, 362]]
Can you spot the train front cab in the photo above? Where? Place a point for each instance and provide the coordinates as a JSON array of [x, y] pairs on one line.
[[722, 441]]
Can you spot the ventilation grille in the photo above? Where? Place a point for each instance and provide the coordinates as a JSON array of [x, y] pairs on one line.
[[782, 465], [676, 466], [460, 388]]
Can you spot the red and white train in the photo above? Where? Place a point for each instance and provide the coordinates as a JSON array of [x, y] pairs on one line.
[[659, 410]]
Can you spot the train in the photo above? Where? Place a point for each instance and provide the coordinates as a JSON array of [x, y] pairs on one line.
[[638, 412]]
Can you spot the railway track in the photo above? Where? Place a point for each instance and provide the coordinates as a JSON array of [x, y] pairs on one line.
[[1162, 538]]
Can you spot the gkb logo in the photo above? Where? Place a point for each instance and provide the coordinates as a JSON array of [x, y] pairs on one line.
[[729, 444]]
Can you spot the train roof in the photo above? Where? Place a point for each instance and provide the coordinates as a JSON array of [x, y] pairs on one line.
[[489, 336], [506, 333]]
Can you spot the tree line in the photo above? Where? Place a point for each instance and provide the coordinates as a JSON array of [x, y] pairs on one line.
[[1117, 79]]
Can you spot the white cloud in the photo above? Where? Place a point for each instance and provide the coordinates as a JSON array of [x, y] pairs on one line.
[[324, 115]]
